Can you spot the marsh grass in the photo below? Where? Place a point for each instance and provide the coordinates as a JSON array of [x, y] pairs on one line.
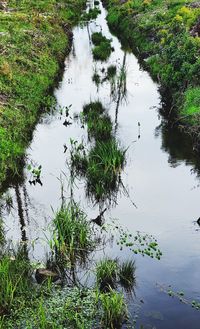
[[94, 107], [100, 129], [111, 72], [73, 236], [106, 274], [114, 310], [103, 48], [14, 280], [105, 163], [127, 274]]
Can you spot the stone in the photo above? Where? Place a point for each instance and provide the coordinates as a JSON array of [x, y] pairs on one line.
[[43, 274]]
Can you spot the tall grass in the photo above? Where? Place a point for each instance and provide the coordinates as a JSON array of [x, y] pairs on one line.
[[106, 274], [72, 234], [114, 310], [14, 280]]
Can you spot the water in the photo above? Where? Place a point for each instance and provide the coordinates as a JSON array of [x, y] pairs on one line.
[[161, 176]]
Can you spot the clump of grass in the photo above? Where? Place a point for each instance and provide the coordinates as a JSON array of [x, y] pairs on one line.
[[102, 49], [98, 122], [96, 79], [105, 162], [14, 280], [91, 14], [72, 233], [114, 310], [111, 72], [95, 107], [100, 129], [127, 274], [97, 38], [106, 274]]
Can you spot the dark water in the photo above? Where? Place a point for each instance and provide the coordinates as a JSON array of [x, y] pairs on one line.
[[161, 176]]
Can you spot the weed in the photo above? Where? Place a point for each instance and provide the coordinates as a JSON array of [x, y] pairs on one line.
[[72, 233], [14, 280], [102, 49], [127, 274], [114, 310], [111, 71], [106, 274]]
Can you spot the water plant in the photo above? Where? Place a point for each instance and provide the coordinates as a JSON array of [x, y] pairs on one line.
[[73, 238], [14, 279], [105, 162], [106, 274], [111, 72], [127, 274], [114, 310], [103, 48]]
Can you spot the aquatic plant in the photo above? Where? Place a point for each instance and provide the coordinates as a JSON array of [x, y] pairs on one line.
[[105, 162], [111, 72], [102, 49], [14, 279], [106, 274], [114, 310], [94, 107], [73, 238], [127, 274]]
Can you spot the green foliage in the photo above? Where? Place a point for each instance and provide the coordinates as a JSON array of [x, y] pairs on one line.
[[73, 237], [191, 104], [106, 274], [114, 310], [33, 44], [127, 274], [102, 49], [14, 280], [161, 33]]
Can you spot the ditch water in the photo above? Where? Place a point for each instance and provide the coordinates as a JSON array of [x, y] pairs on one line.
[[161, 176]]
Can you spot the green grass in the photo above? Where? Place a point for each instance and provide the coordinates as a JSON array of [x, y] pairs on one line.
[[105, 163], [15, 280], [161, 33], [106, 274], [114, 310], [127, 274], [73, 237], [191, 106], [33, 45], [102, 49], [111, 72], [98, 121]]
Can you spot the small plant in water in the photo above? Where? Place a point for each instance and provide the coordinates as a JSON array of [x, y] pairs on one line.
[[103, 48], [73, 238], [127, 274], [114, 310], [106, 274]]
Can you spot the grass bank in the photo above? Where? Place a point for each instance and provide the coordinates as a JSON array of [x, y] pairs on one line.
[[34, 39], [166, 36]]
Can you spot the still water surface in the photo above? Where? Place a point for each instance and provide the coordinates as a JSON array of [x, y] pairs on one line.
[[161, 176]]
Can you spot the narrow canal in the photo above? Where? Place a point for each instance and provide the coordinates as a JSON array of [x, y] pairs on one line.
[[160, 192]]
